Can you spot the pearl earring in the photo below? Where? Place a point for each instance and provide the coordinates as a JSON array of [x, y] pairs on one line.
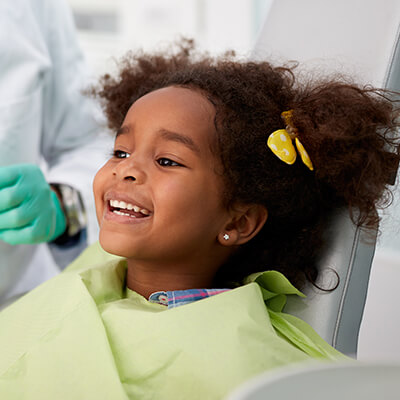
[[226, 236]]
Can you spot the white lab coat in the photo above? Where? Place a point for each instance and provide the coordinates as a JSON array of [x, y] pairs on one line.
[[43, 115]]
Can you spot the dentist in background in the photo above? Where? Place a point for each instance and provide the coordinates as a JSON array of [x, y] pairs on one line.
[[43, 118]]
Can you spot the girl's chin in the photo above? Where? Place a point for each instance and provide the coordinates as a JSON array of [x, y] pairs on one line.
[[114, 246]]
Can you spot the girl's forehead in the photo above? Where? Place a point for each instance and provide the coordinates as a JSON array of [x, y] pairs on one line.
[[181, 101], [177, 109]]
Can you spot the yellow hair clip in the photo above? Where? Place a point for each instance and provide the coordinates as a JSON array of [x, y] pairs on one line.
[[280, 143]]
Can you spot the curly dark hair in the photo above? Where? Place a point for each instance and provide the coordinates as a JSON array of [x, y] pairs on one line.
[[348, 131]]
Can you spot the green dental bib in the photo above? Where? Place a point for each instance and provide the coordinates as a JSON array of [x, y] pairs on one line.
[[81, 336]]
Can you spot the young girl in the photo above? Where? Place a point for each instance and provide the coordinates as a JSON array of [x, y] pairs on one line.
[[221, 170]]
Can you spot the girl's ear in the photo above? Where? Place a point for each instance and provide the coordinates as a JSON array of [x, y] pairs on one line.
[[246, 221]]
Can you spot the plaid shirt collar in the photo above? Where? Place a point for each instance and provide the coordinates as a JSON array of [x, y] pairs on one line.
[[178, 298]]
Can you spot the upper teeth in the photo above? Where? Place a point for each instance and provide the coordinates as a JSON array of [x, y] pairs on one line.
[[128, 206]]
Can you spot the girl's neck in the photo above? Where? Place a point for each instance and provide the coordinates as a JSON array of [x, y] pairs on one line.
[[146, 279]]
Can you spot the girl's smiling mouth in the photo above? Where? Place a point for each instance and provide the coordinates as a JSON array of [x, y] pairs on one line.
[[131, 210], [124, 210]]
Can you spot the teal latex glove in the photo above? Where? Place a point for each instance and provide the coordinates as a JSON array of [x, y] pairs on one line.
[[30, 211]]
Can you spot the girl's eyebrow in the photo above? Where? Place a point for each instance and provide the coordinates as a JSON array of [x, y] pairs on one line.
[[122, 130], [180, 138], [168, 135]]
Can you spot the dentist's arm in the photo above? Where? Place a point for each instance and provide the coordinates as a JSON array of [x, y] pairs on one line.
[[71, 144]]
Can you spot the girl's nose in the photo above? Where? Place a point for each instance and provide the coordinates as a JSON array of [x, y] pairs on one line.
[[129, 170]]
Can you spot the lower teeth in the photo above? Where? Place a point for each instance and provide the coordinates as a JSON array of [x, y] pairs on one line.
[[122, 213]]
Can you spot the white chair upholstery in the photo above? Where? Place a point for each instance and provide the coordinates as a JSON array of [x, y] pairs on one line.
[[324, 381], [358, 38]]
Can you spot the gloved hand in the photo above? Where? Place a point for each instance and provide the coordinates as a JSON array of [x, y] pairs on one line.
[[30, 211]]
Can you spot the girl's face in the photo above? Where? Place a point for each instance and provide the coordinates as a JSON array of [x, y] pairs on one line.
[[158, 198]]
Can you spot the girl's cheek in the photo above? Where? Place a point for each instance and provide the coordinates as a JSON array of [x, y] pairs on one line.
[[96, 185], [100, 179], [98, 191]]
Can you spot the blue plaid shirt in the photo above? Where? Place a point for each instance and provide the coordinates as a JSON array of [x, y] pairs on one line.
[[178, 298]]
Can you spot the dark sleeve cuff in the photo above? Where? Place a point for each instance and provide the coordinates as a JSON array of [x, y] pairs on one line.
[[75, 214]]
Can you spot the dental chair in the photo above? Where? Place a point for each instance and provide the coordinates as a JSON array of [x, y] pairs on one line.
[[359, 38], [345, 381]]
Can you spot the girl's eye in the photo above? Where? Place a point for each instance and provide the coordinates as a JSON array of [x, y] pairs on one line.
[[120, 154], [166, 162]]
